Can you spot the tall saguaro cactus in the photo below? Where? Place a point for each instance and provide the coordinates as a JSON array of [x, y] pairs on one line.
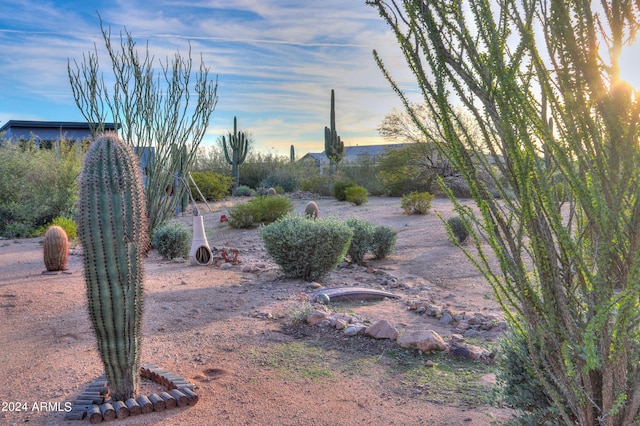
[[292, 154], [112, 227], [333, 146], [238, 144]]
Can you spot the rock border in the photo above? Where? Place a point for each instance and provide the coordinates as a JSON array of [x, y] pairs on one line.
[[94, 401]]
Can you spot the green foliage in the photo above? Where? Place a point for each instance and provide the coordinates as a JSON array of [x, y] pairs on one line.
[[306, 249], [520, 387], [112, 229], [261, 209], [383, 241], [362, 241], [318, 184], [214, 186], [416, 202], [37, 185], [339, 189], [172, 240], [458, 228], [545, 90], [357, 195], [244, 191], [68, 224], [407, 169], [242, 215]]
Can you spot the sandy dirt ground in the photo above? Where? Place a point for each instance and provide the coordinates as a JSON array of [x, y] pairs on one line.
[[217, 327]]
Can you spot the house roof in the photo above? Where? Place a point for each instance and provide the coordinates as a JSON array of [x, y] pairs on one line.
[[352, 152], [50, 125]]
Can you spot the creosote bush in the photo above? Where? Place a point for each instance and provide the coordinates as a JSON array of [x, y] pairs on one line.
[[244, 191], [362, 241], [214, 186], [261, 209], [383, 241], [339, 189], [416, 202], [172, 239], [304, 248], [357, 195]]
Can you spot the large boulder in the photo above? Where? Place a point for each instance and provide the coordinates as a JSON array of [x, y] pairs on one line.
[[425, 340]]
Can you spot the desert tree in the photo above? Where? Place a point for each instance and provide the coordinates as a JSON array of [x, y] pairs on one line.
[[542, 80], [155, 111]]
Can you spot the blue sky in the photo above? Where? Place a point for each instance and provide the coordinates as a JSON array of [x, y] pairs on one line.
[[276, 60]]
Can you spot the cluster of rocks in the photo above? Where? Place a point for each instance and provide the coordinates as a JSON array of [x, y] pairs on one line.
[[427, 341], [463, 323]]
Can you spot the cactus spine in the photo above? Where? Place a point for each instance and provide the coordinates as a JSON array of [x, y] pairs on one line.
[[112, 228], [333, 146], [238, 143], [56, 249]]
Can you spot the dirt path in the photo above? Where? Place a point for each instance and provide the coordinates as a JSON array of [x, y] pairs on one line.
[[231, 333]]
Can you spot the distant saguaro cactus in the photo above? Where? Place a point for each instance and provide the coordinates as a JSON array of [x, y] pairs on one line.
[[292, 154], [56, 249], [238, 145], [333, 146], [112, 228]]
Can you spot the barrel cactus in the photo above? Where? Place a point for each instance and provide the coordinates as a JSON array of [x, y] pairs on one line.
[[112, 228], [56, 249], [311, 210]]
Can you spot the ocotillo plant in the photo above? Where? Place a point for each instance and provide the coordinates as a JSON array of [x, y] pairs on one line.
[[333, 146], [112, 228], [238, 143]]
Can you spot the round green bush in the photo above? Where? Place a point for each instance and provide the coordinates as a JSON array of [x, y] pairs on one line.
[[212, 185], [339, 189], [261, 209], [416, 202], [357, 194], [172, 239], [244, 191], [458, 228], [307, 249], [242, 215], [383, 241], [362, 241]]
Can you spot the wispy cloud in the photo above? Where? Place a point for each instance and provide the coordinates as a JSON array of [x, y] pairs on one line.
[[277, 60]]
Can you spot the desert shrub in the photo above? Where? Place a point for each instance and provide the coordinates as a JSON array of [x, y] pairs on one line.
[[357, 195], [284, 178], [364, 172], [214, 186], [339, 189], [244, 191], [318, 184], [172, 239], [520, 388], [383, 241], [37, 185], [362, 241], [261, 209], [416, 202], [407, 169], [270, 208], [68, 224], [458, 228], [306, 249], [242, 215]]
